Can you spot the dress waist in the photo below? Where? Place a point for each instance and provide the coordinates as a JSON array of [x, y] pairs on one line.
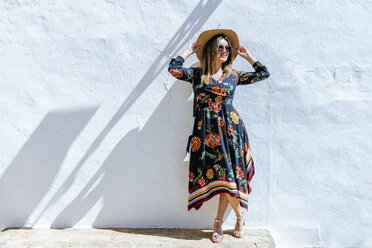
[[212, 106], [212, 103]]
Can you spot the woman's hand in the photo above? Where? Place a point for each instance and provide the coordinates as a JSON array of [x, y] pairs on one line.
[[242, 51], [193, 47]]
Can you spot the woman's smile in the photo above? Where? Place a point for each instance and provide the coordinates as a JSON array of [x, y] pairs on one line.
[[223, 57]]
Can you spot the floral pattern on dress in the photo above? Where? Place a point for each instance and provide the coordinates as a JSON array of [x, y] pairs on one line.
[[220, 152]]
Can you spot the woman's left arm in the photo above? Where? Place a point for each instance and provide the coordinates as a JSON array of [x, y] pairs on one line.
[[177, 70], [260, 71]]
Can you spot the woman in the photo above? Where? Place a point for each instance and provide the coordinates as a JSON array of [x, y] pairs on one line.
[[220, 154]]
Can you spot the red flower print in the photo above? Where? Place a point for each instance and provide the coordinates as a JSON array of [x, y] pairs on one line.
[[214, 106], [200, 96], [239, 173], [221, 123], [230, 130], [195, 143], [210, 174], [219, 90], [199, 124], [212, 140], [245, 77], [176, 73], [191, 176], [201, 181], [218, 99]]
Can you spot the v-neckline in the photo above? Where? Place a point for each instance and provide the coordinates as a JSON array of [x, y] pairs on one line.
[[219, 79]]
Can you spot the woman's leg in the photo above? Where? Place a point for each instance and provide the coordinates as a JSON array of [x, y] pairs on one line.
[[234, 202], [222, 206]]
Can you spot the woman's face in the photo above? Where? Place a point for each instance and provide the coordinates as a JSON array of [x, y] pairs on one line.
[[224, 54]]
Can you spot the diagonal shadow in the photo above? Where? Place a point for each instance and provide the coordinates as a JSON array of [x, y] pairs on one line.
[[144, 184], [30, 175], [143, 181], [195, 21]]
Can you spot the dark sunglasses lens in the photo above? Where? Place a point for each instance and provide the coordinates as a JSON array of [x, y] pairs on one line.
[[227, 48]]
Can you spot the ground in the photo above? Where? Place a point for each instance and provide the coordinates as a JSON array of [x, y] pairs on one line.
[[129, 238]]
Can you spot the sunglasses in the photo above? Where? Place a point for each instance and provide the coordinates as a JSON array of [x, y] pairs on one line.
[[227, 48]]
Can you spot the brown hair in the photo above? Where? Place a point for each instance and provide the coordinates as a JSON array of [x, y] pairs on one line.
[[209, 54]]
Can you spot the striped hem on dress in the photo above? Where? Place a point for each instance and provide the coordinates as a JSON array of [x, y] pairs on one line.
[[203, 194], [250, 170]]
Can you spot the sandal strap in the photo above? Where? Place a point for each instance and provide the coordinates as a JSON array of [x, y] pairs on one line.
[[217, 235], [238, 232], [218, 220]]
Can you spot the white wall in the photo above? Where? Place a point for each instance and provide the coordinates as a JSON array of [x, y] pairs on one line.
[[94, 128]]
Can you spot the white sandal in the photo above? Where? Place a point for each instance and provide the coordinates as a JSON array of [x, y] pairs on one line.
[[240, 233], [216, 236]]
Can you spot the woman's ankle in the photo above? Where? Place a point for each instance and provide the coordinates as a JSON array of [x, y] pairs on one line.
[[219, 218]]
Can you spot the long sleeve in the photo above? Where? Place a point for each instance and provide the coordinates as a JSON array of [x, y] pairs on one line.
[[259, 74], [178, 71]]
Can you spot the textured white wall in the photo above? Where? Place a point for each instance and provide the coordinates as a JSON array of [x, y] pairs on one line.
[[94, 128]]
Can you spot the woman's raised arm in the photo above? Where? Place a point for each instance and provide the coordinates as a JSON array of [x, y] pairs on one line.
[[259, 74], [260, 71], [176, 65]]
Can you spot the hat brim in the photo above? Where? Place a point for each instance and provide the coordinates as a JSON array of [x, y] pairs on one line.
[[205, 36]]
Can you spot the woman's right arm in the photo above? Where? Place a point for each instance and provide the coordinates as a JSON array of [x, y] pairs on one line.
[[176, 65]]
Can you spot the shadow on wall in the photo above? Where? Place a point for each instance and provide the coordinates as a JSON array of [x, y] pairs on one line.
[[31, 174], [126, 188], [143, 181]]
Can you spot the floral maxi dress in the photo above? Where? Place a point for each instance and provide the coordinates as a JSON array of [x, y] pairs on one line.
[[220, 153]]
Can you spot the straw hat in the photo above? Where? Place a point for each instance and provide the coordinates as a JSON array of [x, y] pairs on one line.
[[205, 36]]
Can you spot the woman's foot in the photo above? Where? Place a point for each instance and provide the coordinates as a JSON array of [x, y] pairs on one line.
[[238, 231], [217, 235]]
